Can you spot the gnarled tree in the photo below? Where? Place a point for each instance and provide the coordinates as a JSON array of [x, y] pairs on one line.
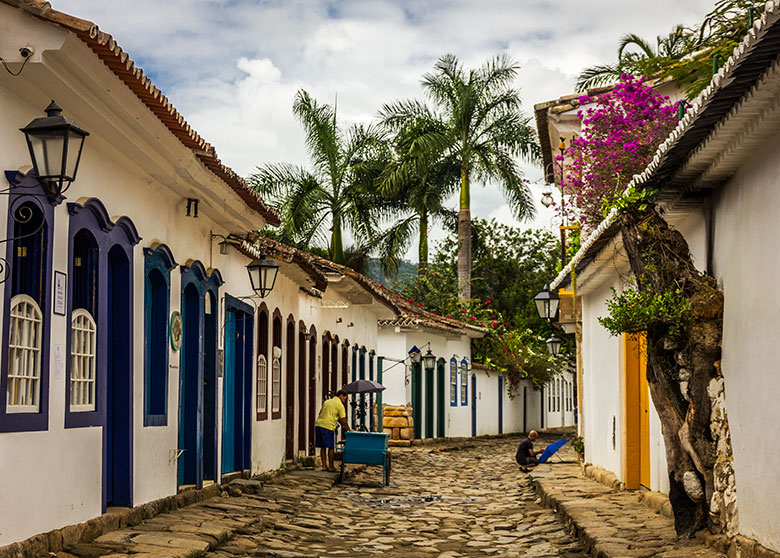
[[681, 311]]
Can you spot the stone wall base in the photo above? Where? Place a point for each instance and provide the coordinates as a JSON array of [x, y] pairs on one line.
[[732, 547], [736, 547]]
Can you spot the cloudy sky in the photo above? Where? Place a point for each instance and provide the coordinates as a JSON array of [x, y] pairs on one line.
[[231, 67]]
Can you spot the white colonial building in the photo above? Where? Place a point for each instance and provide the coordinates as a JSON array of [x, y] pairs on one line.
[[718, 178], [137, 359]]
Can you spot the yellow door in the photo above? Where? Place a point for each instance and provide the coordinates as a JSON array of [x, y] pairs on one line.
[[644, 416], [637, 412]]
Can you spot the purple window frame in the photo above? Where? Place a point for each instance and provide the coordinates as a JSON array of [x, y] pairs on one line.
[[93, 217], [24, 188]]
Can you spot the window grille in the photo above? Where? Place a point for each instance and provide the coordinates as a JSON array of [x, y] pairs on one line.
[[262, 384], [276, 385], [83, 353], [24, 356], [453, 383]]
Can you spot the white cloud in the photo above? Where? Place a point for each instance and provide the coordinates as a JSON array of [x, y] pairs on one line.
[[233, 67]]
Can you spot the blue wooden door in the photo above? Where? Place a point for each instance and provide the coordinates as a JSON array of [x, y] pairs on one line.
[[190, 465], [229, 391], [473, 404], [237, 387]]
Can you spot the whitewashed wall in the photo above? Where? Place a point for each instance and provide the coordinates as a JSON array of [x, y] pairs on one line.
[[747, 267]]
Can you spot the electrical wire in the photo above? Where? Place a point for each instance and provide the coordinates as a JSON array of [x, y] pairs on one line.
[[7, 69]]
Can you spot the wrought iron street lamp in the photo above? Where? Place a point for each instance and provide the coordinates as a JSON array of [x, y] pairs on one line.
[[429, 361], [262, 275], [554, 345], [547, 197], [55, 145], [547, 303]]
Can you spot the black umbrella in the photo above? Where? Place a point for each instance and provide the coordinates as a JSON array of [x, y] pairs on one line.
[[364, 386]]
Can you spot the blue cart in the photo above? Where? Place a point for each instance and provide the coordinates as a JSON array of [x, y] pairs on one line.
[[367, 448]]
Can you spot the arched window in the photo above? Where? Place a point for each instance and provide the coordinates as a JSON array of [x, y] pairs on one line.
[[262, 385], [157, 280], [276, 367], [276, 383], [27, 296], [83, 345], [453, 382], [261, 388], [23, 385], [464, 389], [83, 353]]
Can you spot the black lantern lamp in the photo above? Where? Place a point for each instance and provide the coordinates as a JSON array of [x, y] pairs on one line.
[[554, 345], [415, 355], [55, 145], [429, 360], [547, 303], [262, 274]]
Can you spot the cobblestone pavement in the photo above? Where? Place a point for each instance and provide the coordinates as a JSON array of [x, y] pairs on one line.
[[470, 502], [441, 502], [467, 500]]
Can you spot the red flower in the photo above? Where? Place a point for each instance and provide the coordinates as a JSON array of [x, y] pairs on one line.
[[488, 301], [463, 311], [473, 319], [494, 324]]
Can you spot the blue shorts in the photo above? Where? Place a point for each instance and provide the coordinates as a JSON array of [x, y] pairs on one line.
[[324, 438]]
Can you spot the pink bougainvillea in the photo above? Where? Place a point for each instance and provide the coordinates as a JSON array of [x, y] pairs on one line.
[[618, 138]]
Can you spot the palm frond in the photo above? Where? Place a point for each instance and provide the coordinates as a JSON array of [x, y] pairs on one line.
[[597, 76], [393, 243]]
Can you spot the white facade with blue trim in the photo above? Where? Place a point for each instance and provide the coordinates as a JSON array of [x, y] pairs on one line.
[[135, 359]]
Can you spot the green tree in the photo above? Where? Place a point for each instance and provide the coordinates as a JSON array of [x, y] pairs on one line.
[[336, 194], [483, 132], [418, 180], [510, 266], [638, 57], [686, 54]]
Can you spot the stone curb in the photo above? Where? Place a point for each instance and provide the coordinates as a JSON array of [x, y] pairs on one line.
[[601, 547], [88, 531], [656, 501]]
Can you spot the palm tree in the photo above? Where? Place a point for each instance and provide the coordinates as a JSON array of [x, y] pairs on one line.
[[335, 195], [482, 133], [637, 57], [418, 179]]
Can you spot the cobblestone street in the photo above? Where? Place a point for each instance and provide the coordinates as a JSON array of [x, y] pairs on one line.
[[442, 501], [466, 499], [470, 502]]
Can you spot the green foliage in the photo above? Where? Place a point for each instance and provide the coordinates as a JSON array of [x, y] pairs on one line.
[[632, 200], [336, 194], [510, 266], [686, 54], [634, 312]]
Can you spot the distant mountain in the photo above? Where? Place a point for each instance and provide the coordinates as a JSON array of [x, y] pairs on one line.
[[406, 270]]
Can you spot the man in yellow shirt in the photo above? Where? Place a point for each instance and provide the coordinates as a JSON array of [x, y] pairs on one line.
[[332, 413]]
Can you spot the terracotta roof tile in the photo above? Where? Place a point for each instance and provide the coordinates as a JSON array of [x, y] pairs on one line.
[[407, 314]]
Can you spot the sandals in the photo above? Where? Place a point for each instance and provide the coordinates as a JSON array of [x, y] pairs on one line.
[[525, 470]]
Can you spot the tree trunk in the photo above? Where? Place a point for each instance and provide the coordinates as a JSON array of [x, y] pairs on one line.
[[422, 251], [336, 243], [464, 239], [684, 377]]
